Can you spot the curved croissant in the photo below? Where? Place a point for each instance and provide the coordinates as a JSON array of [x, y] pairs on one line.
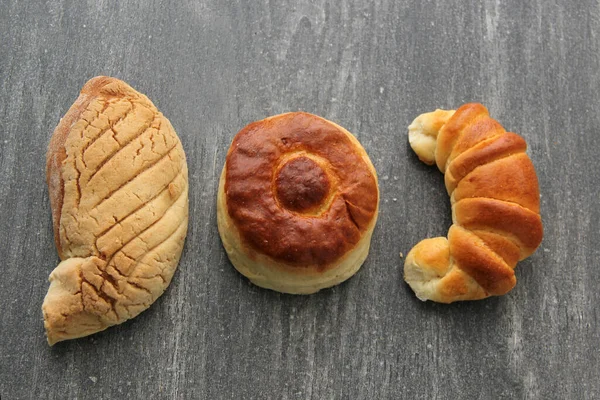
[[494, 195], [118, 187]]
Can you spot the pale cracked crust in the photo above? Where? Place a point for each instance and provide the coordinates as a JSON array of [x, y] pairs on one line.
[[118, 188], [494, 194]]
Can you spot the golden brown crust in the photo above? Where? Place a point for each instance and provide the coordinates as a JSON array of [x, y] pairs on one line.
[[301, 185], [482, 129], [265, 215], [484, 152], [509, 179], [513, 220], [500, 244], [495, 204], [297, 203], [117, 180], [472, 256], [462, 120]]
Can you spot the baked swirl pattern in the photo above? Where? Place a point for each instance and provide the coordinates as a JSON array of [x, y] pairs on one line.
[[297, 203], [118, 189], [494, 195]]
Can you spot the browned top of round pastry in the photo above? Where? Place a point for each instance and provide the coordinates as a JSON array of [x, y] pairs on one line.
[[301, 184], [300, 189]]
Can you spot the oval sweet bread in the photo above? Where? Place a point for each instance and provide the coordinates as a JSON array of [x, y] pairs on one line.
[[297, 203], [495, 202], [118, 187]]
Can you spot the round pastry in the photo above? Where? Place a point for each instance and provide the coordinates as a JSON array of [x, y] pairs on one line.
[[297, 203]]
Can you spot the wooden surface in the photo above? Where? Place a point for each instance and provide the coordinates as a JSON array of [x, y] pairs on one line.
[[214, 66]]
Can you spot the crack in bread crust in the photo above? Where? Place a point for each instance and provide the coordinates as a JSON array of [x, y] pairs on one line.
[[116, 173]]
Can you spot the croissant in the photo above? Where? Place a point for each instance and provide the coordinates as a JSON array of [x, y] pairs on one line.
[[118, 187], [494, 195]]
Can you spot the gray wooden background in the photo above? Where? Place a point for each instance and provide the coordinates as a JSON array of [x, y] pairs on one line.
[[213, 66]]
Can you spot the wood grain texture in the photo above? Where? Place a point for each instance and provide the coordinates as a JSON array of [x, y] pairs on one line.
[[212, 67]]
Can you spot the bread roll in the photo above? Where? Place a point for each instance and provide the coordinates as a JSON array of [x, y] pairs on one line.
[[297, 203], [495, 202], [118, 187]]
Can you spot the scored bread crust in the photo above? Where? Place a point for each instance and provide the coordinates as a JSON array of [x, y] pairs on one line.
[[297, 203], [117, 182], [56, 153], [494, 194]]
